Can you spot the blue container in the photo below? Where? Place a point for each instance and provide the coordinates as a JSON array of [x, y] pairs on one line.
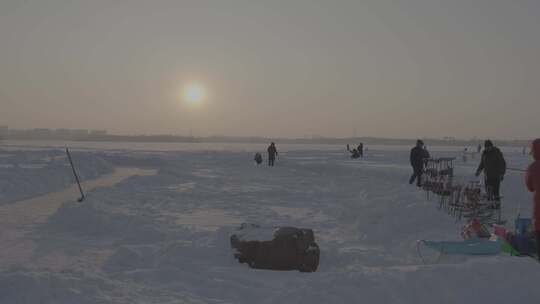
[[523, 225]]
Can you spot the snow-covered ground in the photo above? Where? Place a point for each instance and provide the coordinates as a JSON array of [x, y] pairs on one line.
[[163, 236], [24, 174]]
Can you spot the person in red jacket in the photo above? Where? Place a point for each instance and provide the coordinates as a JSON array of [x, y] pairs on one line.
[[532, 179]]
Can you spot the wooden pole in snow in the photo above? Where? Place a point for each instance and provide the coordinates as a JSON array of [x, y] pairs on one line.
[[76, 176]]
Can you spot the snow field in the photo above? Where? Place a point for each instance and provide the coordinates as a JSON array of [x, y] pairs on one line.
[[164, 238]]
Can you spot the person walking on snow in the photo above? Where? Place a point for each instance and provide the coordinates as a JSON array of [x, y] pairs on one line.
[[418, 156], [494, 166], [272, 153], [532, 179]]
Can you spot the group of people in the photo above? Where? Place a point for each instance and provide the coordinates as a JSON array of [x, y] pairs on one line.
[[272, 153], [493, 164], [356, 152]]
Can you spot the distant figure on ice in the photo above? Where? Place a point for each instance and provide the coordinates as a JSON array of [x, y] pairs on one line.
[[354, 152], [418, 157], [258, 158], [361, 150], [532, 179], [494, 166], [479, 148], [272, 153], [465, 152]]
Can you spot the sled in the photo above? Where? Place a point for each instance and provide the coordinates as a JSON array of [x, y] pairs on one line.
[[474, 246]]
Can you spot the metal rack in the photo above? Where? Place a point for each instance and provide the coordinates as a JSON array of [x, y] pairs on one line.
[[460, 201]]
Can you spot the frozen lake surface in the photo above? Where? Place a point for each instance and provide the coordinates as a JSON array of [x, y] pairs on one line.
[[164, 237]]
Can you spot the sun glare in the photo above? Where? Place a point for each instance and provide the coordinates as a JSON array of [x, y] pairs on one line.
[[194, 93]]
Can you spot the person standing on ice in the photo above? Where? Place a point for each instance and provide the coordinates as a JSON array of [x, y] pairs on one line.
[[272, 153], [494, 166], [361, 150], [532, 179], [418, 156]]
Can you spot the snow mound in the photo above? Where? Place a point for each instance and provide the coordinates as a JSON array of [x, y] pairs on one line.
[[30, 173]]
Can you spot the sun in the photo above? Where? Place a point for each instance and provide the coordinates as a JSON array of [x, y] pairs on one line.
[[193, 93]]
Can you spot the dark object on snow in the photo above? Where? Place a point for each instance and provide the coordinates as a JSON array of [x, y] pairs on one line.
[[80, 199], [289, 249], [258, 158], [524, 244]]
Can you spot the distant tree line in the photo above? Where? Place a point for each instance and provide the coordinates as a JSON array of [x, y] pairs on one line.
[[101, 135]]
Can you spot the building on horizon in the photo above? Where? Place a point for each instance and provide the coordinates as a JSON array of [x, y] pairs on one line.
[[79, 132], [98, 132], [41, 133]]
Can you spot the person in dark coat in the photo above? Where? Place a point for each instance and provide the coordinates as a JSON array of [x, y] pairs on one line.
[[418, 157], [494, 167], [272, 153], [258, 158], [361, 149]]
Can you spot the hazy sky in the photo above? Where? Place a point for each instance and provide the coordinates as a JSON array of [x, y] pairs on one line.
[[402, 68]]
